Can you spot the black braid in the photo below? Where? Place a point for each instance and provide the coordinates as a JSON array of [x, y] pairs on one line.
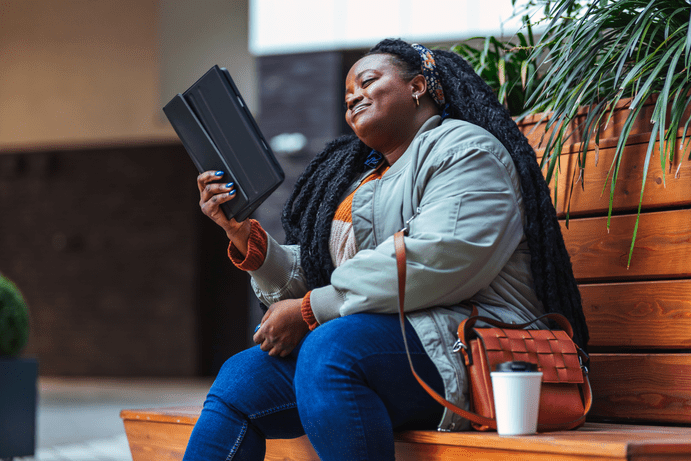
[[470, 99], [308, 213]]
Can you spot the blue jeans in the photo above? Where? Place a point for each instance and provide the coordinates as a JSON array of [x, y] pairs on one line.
[[348, 385]]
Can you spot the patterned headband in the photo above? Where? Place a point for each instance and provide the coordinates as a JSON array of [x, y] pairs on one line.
[[429, 70]]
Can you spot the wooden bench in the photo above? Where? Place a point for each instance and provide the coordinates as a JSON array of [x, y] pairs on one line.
[[640, 330], [162, 435]]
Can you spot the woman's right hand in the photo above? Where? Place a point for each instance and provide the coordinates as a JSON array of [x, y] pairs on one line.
[[212, 194]]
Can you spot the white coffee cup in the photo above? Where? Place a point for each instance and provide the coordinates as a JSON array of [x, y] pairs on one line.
[[516, 388]]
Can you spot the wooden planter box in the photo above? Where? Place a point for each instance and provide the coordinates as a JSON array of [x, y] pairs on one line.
[[660, 192], [642, 314]]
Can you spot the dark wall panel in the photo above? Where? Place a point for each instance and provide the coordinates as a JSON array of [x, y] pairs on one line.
[[107, 247]]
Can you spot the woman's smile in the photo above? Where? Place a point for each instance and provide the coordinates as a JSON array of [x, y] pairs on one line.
[[359, 108]]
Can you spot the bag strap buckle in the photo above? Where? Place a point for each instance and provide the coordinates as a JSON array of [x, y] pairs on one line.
[[584, 367], [458, 345], [406, 226]]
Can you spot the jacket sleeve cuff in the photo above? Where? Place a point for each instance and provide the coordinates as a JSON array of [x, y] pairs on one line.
[[307, 314], [325, 303], [256, 249]]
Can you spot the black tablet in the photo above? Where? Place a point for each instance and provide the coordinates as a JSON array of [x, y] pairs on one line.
[[219, 133]]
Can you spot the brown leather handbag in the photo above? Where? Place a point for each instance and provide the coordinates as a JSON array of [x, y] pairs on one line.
[[565, 396]]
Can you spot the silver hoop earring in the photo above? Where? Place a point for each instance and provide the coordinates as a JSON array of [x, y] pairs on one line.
[[417, 101]]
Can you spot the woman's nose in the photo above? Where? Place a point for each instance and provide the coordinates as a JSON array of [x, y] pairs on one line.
[[353, 99]]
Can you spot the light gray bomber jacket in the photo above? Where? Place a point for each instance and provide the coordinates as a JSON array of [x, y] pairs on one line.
[[458, 187]]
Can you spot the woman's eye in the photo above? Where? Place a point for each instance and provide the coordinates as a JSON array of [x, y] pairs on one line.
[[366, 82]]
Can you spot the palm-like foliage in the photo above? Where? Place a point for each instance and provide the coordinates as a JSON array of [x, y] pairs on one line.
[[510, 67], [617, 49], [505, 66]]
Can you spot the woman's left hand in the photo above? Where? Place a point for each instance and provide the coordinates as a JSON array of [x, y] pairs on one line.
[[282, 328]]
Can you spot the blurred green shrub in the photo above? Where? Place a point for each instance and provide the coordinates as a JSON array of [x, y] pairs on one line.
[[14, 319]]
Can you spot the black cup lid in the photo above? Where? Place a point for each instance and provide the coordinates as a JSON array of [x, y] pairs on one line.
[[516, 366]]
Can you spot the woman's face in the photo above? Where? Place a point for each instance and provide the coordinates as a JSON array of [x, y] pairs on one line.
[[379, 101]]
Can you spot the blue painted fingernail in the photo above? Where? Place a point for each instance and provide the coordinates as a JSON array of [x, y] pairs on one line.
[[257, 328], [232, 192], [219, 173], [229, 185]]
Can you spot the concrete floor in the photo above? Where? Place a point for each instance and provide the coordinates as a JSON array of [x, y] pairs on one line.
[[79, 419]]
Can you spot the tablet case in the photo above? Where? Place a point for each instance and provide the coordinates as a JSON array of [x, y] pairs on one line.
[[219, 133]]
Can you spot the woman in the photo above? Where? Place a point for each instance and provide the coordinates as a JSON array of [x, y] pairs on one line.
[[436, 152]]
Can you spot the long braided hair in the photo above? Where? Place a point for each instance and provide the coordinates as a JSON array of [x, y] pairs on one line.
[[309, 211]]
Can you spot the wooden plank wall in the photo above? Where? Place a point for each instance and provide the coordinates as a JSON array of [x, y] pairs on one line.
[[639, 316]]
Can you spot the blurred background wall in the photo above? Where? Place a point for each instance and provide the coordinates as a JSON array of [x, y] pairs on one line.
[[99, 222], [99, 219]]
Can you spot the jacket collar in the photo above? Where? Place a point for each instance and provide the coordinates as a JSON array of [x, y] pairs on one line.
[[431, 123]]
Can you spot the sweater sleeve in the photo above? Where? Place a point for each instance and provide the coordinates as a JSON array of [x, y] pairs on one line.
[[307, 314], [256, 249]]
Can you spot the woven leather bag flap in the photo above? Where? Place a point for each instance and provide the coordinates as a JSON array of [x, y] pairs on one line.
[[552, 351]]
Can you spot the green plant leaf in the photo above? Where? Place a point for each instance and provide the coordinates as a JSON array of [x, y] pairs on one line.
[[688, 43], [646, 165], [645, 92]]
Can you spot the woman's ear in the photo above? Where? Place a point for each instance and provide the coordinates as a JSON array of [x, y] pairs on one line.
[[419, 85]]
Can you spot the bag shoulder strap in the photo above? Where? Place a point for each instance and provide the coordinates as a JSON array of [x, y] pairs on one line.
[[401, 263], [399, 244]]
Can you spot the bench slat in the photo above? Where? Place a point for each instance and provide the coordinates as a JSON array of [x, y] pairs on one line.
[[160, 441], [161, 434], [590, 199], [429, 452], [294, 449], [662, 251], [638, 314], [641, 387], [594, 441]]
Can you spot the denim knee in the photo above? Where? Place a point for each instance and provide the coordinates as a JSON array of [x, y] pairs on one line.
[[324, 354], [252, 383]]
